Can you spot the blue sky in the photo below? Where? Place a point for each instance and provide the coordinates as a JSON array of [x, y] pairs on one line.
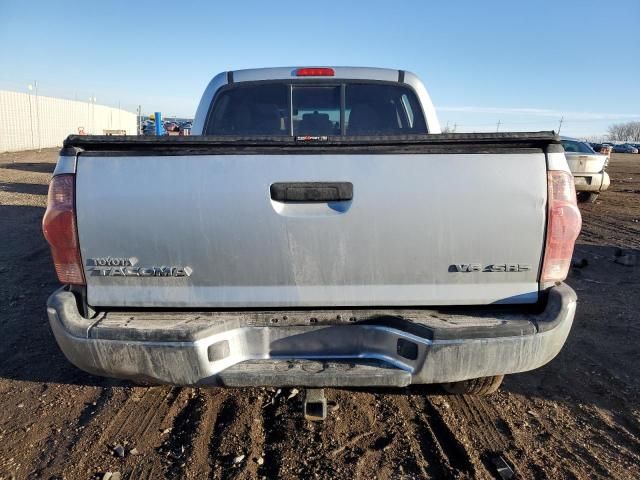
[[522, 63]]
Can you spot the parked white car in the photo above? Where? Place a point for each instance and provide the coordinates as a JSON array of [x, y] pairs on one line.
[[587, 167]]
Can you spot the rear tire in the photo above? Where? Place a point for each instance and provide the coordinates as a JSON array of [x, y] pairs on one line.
[[587, 197], [474, 386]]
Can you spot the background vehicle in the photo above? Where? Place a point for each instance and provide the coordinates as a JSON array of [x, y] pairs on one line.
[[602, 148], [171, 127], [587, 168], [149, 128], [269, 252], [624, 148], [185, 128]]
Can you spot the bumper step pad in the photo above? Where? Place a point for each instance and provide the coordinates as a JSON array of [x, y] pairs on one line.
[[291, 373]]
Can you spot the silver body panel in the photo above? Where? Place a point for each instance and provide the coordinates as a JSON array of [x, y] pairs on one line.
[[412, 217], [66, 165], [557, 161], [585, 163]]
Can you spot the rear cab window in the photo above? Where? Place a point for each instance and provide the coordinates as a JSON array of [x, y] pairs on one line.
[[378, 109], [573, 146], [327, 109], [316, 110], [251, 110]]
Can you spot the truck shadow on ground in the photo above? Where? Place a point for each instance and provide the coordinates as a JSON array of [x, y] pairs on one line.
[[28, 350], [36, 167], [28, 188]]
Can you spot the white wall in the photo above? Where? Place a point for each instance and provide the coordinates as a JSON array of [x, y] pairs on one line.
[[28, 123]]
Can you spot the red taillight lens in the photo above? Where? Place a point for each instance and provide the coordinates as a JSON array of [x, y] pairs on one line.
[[315, 72], [59, 228], [563, 226]]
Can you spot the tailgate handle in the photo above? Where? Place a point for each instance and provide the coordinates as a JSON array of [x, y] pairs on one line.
[[312, 191]]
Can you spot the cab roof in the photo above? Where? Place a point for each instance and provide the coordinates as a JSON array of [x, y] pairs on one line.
[[282, 73]]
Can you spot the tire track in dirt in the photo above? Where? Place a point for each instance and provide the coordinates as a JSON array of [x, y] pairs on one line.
[[52, 454], [140, 413], [223, 422], [236, 435], [274, 436], [439, 442], [141, 472], [255, 439], [626, 430], [359, 428], [364, 433], [579, 456], [571, 458], [389, 448], [95, 408], [424, 464], [152, 417], [630, 453], [614, 233], [378, 432], [492, 435], [135, 404], [198, 465], [177, 449]]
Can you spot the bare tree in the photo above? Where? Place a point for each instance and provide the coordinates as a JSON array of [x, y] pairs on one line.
[[624, 132]]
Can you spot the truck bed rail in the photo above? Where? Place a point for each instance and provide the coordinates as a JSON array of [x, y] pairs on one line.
[[210, 145]]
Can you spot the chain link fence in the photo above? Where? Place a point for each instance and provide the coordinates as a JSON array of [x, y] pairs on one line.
[[30, 121]]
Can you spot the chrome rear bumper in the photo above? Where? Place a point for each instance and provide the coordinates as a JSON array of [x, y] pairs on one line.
[[311, 348]]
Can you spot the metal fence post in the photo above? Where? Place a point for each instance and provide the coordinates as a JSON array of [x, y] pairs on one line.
[[35, 82], [30, 116]]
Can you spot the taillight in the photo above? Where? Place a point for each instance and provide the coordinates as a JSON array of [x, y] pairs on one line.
[[315, 72], [59, 228], [563, 226]]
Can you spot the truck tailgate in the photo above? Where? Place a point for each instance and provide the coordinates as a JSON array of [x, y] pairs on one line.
[[204, 231]]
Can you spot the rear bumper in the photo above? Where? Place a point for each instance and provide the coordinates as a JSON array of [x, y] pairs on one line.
[[319, 348], [591, 182]]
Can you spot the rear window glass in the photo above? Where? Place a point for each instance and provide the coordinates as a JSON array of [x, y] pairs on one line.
[[251, 110], [316, 110], [379, 109], [576, 147], [271, 108]]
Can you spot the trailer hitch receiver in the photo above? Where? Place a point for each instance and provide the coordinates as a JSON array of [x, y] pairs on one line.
[[315, 405]]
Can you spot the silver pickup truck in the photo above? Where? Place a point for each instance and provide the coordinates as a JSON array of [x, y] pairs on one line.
[[317, 230]]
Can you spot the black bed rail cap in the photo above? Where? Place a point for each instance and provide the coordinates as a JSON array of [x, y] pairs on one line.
[[112, 142]]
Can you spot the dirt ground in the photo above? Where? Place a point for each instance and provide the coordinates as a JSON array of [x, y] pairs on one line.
[[578, 417]]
